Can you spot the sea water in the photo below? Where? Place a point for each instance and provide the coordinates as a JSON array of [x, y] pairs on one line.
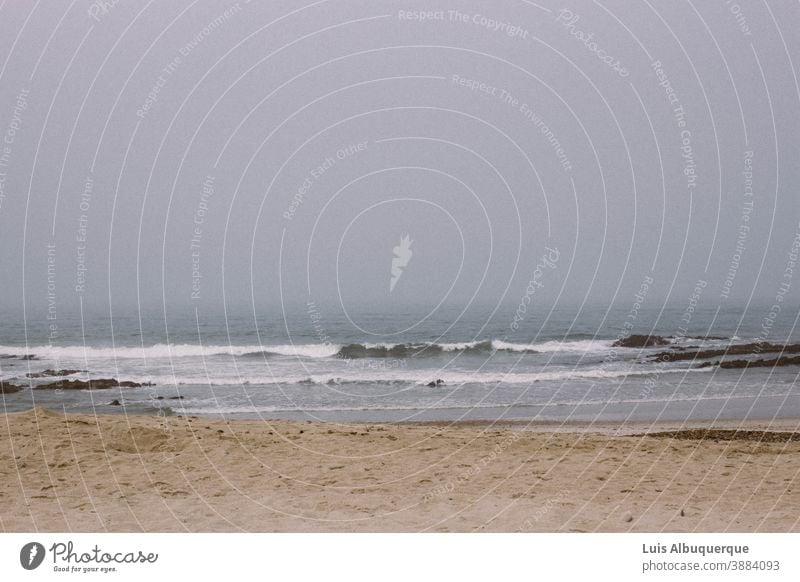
[[312, 362]]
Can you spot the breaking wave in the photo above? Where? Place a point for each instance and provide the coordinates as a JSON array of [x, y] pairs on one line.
[[318, 350], [417, 377]]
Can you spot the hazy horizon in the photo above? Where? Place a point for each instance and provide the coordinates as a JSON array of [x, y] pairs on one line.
[[213, 156]]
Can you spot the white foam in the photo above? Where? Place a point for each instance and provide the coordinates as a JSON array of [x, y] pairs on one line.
[[459, 346], [318, 350], [419, 377], [167, 351], [583, 346]]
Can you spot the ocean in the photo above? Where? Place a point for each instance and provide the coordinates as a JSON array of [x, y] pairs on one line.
[[317, 363]]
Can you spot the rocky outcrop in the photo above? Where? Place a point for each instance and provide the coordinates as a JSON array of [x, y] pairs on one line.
[[782, 361], [438, 382], [641, 341], [53, 373], [735, 350], [95, 384], [6, 388]]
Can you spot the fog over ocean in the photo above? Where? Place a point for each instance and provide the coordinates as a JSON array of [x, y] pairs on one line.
[[400, 211]]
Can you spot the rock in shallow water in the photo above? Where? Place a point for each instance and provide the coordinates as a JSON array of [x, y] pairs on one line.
[[640, 341], [784, 361], [48, 373], [9, 388], [97, 384], [693, 353]]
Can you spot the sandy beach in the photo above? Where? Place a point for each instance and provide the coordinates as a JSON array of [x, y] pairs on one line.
[[166, 474]]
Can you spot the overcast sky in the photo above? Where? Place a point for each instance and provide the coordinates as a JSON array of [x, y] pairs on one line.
[[195, 152]]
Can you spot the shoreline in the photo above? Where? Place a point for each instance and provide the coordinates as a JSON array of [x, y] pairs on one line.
[[783, 424], [80, 472]]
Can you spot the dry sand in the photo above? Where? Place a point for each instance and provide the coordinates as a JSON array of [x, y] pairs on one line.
[[117, 473]]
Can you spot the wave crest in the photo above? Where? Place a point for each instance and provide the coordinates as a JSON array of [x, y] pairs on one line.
[[318, 350], [419, 377]]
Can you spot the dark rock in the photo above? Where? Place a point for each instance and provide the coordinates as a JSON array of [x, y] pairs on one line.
[[736, 350], [641, 341], [96, 384], [9, 388], [115, 402], [50, 373], [438, 382], [176, 397], [28, 357], [783, 361]]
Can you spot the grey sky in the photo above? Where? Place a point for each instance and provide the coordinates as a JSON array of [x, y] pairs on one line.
[[273, 148]]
